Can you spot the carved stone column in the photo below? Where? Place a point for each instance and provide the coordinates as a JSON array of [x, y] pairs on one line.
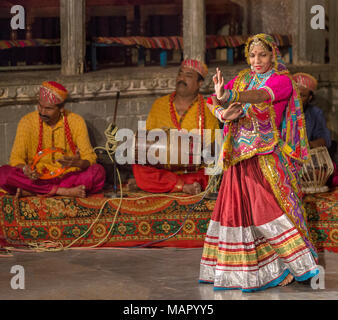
[[333, 47], [308, 44], [73, 36], [194, 29], [333, 34], [129, 31], [29, 23], [298, 34]]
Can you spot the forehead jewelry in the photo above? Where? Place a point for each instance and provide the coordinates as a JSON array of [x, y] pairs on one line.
[[258, 42]]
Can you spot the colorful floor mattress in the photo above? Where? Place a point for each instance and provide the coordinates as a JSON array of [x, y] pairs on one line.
[[7, 44], [322, 216], [165, 42], [176, 42], [141, 220]]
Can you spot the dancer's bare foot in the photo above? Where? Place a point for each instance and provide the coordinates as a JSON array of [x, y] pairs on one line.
[[193, 189], [287, 280], [79, 192]]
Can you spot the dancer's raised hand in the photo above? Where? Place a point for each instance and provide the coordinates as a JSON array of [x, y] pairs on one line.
[[218, 83]]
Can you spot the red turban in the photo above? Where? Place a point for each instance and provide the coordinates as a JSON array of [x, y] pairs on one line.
[[196, 65], [305, 80], [52, 92]]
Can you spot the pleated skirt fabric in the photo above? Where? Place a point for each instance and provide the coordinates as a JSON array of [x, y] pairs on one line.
[[251, 244]]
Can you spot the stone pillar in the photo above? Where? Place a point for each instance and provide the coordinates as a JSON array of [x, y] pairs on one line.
[[194, 29], [129, 32], [333, 34], [333, 51], [73, 36], [308, 44]]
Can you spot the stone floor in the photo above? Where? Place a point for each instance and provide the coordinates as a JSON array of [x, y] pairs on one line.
[[137, 274]]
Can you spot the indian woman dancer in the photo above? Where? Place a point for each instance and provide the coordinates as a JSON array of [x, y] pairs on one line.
[[257, 236]]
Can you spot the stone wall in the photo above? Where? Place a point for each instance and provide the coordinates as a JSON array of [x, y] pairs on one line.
[[100, 113], [93, 96], [273, 16]]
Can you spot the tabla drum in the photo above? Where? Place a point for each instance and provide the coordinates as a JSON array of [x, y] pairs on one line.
[[168, 149], [315, 173]]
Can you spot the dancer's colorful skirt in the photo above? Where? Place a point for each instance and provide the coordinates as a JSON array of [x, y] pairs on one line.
[[251, 243]]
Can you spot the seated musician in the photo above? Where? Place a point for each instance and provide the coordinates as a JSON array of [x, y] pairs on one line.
[[317, 132], [183, 109], [51, 126]]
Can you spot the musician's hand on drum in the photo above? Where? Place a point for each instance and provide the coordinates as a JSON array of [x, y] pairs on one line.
[[31, 174], [232, 112], [71, 161], [317, 143], [74, 161]]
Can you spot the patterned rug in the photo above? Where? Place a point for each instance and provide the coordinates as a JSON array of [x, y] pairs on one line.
[[141, 220], [322, 216]]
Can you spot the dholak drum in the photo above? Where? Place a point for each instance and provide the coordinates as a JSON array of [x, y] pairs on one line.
[[316, 172], [168, 149]]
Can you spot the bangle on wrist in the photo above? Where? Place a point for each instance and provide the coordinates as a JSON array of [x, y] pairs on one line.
[[230, 97], [216, 111], [225, 96], [234, 96]]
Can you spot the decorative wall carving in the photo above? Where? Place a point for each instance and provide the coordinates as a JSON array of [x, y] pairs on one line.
[[89, 87], [94, 96], [96, 89]]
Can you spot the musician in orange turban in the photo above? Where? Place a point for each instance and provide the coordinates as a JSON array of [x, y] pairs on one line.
[[52, 154], [183, 109], [317, 132], [316, 129]]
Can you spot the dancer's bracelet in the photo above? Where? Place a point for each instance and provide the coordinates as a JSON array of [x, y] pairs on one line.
[[224, 97], [234, 96], [215, 109], [230, 96]]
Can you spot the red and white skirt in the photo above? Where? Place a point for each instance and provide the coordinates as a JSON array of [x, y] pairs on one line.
[[251, 244]]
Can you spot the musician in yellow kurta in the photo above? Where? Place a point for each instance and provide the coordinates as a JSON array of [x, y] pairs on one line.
[[27, 139], [72, 171], [183, 109], [160, 117]]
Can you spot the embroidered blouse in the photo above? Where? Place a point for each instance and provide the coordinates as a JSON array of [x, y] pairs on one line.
[[279, 88]]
